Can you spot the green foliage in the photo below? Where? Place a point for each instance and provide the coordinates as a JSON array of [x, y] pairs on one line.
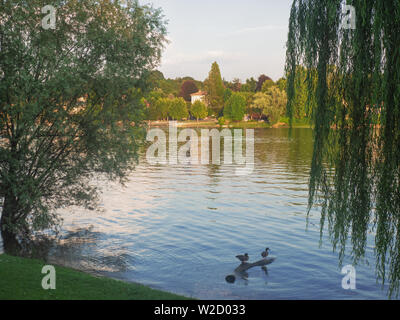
[[284, 120], [302, 106], [164, 105], [281, 83], [153, 79], [199, 110], [235, 107], [266, 85], [70, 103], [227, 94], [353, 82], [248, 96], [215, 89], [271, 103], [151, 102], [221, 121], [260, 102], [159, 109], [249, 86], [178, 109], [277, 104], [210, 112], [170, 86]]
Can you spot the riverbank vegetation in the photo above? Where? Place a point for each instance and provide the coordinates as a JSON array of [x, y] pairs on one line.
[[21, 279], [231, 101]]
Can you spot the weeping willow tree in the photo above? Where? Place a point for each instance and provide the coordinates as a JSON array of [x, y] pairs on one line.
[[354, 81]]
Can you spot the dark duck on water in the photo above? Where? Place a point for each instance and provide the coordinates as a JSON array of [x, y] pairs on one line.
[[243, 258], [265, 253]]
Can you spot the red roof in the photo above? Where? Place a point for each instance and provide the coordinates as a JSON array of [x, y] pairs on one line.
[[200, 93]]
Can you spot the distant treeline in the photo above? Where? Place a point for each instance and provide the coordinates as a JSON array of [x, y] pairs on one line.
[[261, 99]]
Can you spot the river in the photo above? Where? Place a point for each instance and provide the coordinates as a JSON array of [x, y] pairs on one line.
[[179, 227]]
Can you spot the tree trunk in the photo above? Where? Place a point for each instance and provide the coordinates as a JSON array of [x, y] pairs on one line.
[[7, 222]]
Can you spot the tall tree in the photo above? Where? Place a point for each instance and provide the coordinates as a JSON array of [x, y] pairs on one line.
[[215, 89], [353, 75], [68, 100]]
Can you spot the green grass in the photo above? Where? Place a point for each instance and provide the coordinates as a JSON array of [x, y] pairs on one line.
[[21, 279]]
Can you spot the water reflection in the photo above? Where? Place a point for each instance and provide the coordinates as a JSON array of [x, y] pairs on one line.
[[80, 249]]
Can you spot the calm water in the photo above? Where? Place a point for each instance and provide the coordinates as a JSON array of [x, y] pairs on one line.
[[178, 228]]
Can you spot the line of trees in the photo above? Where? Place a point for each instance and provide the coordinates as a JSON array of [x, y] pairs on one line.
[[172, 108], [259, 99]]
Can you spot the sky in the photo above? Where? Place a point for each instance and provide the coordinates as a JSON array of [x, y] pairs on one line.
[[245, 37]]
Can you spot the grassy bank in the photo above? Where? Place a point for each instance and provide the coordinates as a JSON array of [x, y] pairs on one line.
[[21, 278]]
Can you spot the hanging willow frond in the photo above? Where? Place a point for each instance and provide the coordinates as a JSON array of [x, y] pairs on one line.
[[354, 79]]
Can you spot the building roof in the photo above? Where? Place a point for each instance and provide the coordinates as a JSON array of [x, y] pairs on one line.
[[199, 93]]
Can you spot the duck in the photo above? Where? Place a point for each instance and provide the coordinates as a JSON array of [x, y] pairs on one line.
[[265, 253], [243, 258]]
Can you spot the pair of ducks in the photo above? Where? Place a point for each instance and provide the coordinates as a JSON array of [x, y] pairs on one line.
[[245, 257]]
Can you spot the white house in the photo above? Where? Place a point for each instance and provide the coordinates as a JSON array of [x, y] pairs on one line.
[[198, 96]]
